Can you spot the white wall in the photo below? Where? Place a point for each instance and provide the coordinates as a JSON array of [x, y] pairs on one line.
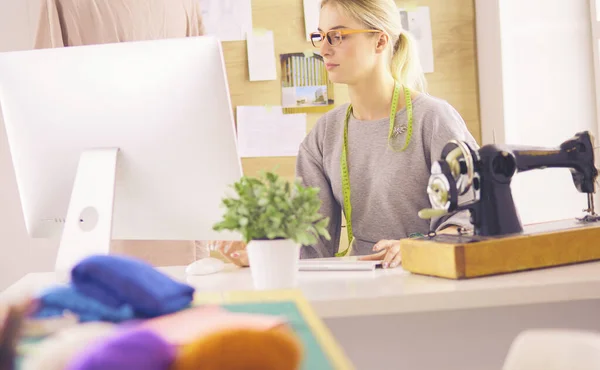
[[537, 88], [18, 253]]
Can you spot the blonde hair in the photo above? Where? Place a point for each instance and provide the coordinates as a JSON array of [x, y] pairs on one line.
[[384, 15]]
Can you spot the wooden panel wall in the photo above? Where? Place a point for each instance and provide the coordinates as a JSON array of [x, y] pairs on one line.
[[454, 79]]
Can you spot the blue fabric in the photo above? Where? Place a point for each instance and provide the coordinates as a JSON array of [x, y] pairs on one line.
[[116, 280], [54, 301]]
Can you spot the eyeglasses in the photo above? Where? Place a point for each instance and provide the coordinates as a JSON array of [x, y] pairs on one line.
[[334, 37]]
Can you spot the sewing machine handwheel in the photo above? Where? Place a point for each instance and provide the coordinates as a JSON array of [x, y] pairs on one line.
[[441, 187], [464, 178]]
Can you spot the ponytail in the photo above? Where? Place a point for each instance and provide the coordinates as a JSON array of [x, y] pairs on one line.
[[406, 67]]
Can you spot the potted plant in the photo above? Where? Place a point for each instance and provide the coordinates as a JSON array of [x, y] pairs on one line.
[[274, 217]]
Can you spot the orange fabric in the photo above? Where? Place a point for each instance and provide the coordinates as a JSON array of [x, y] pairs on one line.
[[237, 349]]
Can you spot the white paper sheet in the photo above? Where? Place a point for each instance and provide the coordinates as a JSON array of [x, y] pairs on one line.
[[267, 132], [311, 16], [229, 20], [261, 56], [418, 22]]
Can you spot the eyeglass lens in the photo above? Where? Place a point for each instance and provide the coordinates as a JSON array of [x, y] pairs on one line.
[[334, 38]]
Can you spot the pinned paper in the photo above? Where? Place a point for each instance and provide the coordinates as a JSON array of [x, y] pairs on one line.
[[418, 23], [261, 56], [229, 20], [312, 8], [304, 82], [267, 132]]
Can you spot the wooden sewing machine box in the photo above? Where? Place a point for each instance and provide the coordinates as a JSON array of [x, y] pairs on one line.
[[539, 246]]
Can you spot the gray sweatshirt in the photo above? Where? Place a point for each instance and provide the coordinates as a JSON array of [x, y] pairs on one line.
[[388, 188]]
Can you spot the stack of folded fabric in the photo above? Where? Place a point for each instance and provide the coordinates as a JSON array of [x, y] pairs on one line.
[[131, 316], [211, 342], [115, 289]]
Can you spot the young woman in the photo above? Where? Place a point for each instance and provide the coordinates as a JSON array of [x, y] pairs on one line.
[[372, 158]]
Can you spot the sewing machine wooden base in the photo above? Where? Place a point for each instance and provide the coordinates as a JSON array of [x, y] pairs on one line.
[[539, 246]]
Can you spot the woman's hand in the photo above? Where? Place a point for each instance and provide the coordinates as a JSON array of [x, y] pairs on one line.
[[386, 250], [389, 250], [234, 251]]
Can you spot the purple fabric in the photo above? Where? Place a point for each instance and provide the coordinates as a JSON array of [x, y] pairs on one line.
[[116, 281], [127, 350]]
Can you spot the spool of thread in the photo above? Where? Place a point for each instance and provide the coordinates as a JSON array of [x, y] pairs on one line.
[[429, 213], [235, 349], [57, 350], [452, 159]]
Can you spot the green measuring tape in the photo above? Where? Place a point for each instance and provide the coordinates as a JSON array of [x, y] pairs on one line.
[[344, 158]]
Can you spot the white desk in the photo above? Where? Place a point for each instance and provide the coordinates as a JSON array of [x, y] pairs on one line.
[[390, 319]]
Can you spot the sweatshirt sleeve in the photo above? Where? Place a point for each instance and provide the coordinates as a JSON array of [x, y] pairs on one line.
[[49, 32], [447, 125], [310, 170]]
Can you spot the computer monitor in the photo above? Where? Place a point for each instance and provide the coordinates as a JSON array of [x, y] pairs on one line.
[[120, 141]]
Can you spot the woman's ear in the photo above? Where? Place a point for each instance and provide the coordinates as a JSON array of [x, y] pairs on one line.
[[382, 42]]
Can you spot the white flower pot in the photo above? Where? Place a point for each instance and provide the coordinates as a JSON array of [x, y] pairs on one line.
[[274, 263]]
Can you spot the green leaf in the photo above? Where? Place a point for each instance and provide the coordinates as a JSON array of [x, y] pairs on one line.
[[268, 207]]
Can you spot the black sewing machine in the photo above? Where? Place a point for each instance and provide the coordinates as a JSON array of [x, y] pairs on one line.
[[488, 173], [498, 244]]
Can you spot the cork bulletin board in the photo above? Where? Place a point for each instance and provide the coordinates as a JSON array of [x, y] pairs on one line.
[[454, 79]]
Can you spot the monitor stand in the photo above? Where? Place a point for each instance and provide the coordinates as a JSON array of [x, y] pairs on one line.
[[88, 225]]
